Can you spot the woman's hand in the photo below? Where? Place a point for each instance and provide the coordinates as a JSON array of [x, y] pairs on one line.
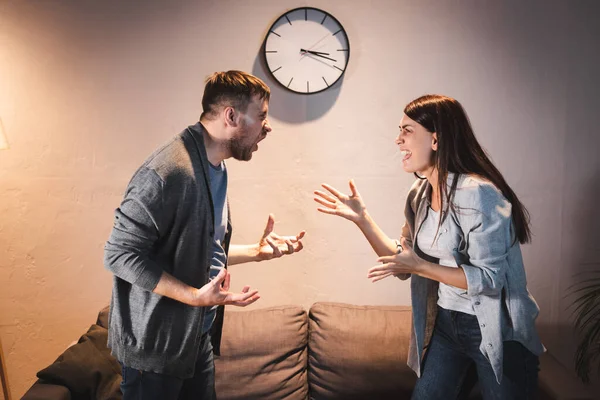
[[405, 262], [350, 207]]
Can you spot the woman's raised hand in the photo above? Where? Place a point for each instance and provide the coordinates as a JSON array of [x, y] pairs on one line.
[[334, 202]]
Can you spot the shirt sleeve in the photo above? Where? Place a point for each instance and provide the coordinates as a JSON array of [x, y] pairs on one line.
[[406, 235], [409, 215], [487, 225], [136, 229]]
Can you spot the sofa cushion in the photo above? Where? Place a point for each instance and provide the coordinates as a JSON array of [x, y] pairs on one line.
[[359, 352], [263, 354], [87, 368]]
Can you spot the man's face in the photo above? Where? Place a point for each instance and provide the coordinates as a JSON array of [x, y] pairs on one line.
[[253, 128]]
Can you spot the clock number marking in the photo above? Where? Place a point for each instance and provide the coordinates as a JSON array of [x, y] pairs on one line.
[[276, 70]]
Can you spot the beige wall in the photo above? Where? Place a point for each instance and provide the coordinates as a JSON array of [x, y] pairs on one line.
[[89, 89]]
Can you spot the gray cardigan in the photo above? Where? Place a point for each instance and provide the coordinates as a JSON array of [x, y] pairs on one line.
[[481, 238], [165, 223]]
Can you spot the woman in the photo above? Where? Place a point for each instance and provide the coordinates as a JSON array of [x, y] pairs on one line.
[[460, 245]]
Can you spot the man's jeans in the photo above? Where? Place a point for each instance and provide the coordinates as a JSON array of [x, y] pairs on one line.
[[454, 352], [144, 385]]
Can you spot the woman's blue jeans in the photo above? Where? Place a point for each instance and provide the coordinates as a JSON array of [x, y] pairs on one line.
[[454, 352]]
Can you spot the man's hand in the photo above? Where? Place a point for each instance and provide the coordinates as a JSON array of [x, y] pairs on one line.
[[216, 292], [271, 245]]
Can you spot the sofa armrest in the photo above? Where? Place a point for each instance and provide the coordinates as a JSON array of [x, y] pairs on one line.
[[558, 383], [47, 391]]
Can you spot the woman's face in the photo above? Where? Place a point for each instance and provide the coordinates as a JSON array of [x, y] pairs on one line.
[[417, 147]]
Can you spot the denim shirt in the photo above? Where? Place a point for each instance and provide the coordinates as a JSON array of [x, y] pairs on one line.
[[481, 238]]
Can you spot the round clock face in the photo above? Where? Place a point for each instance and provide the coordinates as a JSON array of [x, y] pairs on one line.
[[307, 50]]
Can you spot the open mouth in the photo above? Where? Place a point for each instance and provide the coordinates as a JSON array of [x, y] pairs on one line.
[[260, 139], [406, 154]]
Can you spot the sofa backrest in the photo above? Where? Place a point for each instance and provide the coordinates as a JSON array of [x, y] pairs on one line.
[[263, 354], [336, 351], [359, 352]]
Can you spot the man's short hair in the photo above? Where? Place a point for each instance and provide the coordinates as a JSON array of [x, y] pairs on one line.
[[231, 89]]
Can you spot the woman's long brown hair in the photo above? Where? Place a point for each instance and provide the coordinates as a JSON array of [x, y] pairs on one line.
[[460, 152]]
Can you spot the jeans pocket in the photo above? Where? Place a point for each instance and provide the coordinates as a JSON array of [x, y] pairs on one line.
[[470, 325], [532, 368], [130, 375], [123, 373], [521, 368]]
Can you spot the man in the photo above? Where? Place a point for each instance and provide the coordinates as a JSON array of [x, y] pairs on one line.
[[171, 235]]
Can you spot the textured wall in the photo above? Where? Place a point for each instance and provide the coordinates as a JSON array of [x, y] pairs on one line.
[[88, 89]]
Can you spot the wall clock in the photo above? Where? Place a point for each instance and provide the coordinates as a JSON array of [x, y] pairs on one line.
[[307, 50]]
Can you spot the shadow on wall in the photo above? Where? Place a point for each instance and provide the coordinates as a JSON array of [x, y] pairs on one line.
[[295, 108], [585, 261]]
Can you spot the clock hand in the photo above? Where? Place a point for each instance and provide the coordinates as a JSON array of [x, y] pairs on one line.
[[314, 52], [327, 58], [319, 55], [320, 40]]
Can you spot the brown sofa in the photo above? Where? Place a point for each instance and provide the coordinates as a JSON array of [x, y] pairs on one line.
[[335, 351]]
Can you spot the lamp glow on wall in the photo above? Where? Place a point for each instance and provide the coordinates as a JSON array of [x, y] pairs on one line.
[[3, 375], [3, 140]]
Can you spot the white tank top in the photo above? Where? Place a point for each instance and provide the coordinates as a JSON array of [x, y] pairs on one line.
[[450, 297]]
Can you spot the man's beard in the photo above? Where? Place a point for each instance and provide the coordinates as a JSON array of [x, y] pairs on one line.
[[239, 148]]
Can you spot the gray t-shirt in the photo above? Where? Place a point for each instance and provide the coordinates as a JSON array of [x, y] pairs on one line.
[[218, 189]]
